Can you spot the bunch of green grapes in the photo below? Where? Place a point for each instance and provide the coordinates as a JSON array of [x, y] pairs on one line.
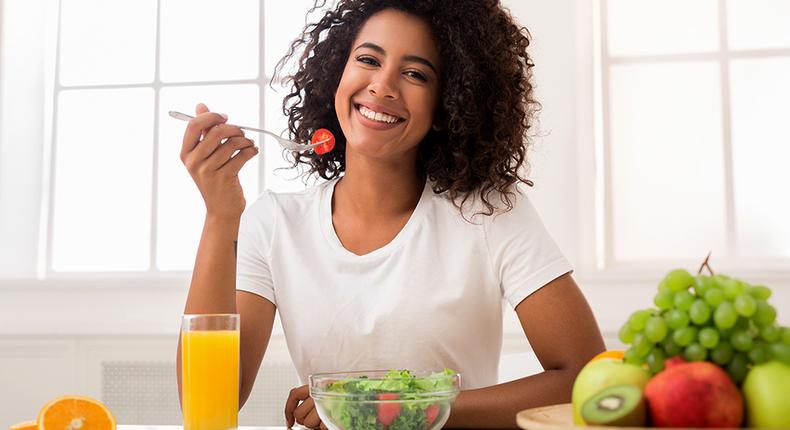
[[714, 318]]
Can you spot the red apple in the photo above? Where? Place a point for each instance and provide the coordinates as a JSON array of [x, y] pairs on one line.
[[697, 394]]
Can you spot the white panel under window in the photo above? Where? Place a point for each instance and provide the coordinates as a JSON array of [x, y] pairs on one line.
[[758, 24], [205, 40], [107, 42], [180, 207], [283, 23], [102, 200], [649, 27], [278, 174], [761, 150], [666, 161]]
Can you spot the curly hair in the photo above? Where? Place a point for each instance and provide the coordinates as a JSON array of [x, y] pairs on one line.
[[486, 103]]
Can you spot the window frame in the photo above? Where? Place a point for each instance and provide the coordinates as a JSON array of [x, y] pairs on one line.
[[597, 253]]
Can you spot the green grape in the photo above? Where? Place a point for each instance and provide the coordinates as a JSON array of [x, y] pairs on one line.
[[770, 333], [745, 305], [676, 319], [626, 335], [701, 284], [684, 336], [656, 329], [786, 335], [655, 360], [725, 333], [670, 347], [663, 286], [738, 367], [725, 315], [741, 340], [714, 297], [765, 313], [638, 319], [759, 292], [733, 288], [758, 354], [695, 352], [679, 279], [699, 313], [780, 352], [718, 281], [683, 300], [722, 353], [663, 299], [631, 357], [641, 344], [708, 337]]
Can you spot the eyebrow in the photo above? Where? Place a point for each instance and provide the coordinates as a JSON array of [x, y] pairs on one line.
[[413, 58]]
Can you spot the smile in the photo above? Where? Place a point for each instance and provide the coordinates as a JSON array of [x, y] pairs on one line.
[[377, 116]]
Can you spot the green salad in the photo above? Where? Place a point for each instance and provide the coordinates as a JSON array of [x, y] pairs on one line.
[[370, 404]]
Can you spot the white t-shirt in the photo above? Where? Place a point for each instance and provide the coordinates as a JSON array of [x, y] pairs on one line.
[[429, 299]]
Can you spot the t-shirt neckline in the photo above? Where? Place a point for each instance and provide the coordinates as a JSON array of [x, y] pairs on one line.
[[325, 215]]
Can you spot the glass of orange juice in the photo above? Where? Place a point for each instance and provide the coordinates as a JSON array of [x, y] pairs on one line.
[[210, 371]]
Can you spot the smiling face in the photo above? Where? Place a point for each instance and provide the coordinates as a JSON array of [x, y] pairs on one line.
[[390, 86]]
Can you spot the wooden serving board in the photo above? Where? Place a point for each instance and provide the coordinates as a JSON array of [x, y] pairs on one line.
[[560, 417]]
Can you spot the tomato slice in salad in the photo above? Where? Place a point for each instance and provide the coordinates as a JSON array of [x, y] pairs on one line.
[[388, 411], [323, 134]]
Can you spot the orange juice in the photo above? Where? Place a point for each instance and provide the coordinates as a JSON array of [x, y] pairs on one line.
[[210, 379]]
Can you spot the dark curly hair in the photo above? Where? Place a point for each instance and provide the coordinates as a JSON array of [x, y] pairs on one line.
[[486, 101]]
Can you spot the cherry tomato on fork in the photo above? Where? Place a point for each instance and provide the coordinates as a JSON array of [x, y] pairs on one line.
[[323, 134]]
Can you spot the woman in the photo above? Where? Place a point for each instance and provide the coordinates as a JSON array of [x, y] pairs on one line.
[[401, 259]]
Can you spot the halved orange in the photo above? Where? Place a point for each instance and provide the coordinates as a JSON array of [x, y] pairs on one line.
[[612, 354], [25, 425], [75, 413]]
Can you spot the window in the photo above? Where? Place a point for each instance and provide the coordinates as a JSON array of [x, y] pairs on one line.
[[115, 173], [693, 137]]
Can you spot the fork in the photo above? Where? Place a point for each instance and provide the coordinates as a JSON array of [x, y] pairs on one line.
[[285, 143]]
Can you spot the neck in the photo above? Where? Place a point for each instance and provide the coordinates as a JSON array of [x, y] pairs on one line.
[[374, 188]]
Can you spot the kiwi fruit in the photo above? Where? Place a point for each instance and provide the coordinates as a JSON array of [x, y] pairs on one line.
[[618, 405]]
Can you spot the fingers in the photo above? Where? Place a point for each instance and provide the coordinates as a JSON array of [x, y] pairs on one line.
[[196, 128], [303, 411], [224, 153], [294, 398], [235, 164], [312, 420], [201, 108], [215, 136]]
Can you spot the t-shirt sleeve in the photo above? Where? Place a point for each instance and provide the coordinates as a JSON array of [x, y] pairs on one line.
[[253, 272], [523, 254]]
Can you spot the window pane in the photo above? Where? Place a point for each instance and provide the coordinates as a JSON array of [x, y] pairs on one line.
[[284, 22], [666, 161], [273, 155], [758, 24], [102, 200], [761, 149], [107, 42], [203, 40], [648, 27], [180, 206]]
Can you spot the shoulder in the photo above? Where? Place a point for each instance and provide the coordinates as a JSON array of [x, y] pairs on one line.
[[290, 203], [514, 205]]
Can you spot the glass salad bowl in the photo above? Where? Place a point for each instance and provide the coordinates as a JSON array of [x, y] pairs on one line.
[[384, 399]]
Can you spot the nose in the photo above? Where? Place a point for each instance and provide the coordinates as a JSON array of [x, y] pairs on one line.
[[382, 86]]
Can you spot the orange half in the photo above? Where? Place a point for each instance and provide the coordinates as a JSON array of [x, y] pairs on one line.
[[75, 413], [612, 354], [25, 425]]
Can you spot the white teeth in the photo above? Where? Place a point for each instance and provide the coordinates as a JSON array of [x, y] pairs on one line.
[[377, 116]]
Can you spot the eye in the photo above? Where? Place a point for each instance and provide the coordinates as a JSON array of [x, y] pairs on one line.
[[416, 75], [368, 60]]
